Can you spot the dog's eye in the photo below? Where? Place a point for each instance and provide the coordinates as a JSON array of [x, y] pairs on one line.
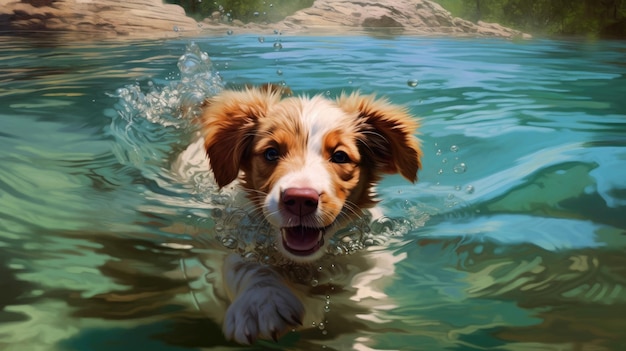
[[272, 154], [340, 157]]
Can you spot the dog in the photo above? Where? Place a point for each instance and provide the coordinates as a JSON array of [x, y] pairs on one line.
[[309, 166]]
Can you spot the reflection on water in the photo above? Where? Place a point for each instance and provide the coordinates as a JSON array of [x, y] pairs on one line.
[[111, 230]]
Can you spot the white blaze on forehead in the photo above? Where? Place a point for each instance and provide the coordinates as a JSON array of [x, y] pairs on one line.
[[318, 117]]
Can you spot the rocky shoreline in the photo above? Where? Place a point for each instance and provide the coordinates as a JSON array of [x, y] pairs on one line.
[[153, 19]]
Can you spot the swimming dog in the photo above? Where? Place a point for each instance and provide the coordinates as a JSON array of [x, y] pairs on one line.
[[308, 165]]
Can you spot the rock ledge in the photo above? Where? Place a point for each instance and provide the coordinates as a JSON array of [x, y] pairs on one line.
[[153, 19]]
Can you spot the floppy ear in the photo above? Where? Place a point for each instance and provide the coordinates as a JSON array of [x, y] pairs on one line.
[[387, 133], [229, 121]]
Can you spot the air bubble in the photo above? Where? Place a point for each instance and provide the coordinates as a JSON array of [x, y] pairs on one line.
[[460, 168], [279, 72], [176, 29], [439, 152], [229, 32], [314, 282], [469, 189], [278, 46], [229, 242], [261, 40], [251, 256], [412, 83], [454, 148]]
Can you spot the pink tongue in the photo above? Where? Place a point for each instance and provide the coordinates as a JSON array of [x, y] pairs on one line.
[[301, 238]]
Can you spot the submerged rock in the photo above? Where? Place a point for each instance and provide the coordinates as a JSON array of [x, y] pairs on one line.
[[148, 18]]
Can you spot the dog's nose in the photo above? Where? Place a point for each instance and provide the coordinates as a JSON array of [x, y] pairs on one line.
[[300, 201]]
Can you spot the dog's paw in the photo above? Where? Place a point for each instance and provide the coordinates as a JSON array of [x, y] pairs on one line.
[[262, 311]]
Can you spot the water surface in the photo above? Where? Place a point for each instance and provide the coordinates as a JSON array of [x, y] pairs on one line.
[[513, 238]]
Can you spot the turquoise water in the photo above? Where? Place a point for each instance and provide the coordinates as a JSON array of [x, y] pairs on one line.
[[514, 238]]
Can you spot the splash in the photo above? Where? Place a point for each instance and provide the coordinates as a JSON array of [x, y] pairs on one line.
[[150, 120]]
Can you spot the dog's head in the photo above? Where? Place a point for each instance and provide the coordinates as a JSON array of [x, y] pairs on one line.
[[309, 164]]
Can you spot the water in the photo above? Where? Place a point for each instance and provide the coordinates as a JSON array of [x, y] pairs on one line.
[[513, 238]]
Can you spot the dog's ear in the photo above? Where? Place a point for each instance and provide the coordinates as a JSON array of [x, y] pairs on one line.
[[387, 133], [229, 122]]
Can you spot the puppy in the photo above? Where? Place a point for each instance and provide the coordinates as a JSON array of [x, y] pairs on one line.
[[309, 165]]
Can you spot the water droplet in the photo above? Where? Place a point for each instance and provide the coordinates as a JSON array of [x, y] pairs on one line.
[[279, 72], [460, 168], [319, 269], [229, 32], [444, 160], [229, 242], [469, 189], [321, 326], [255, 14], [327, 308], [457, 187], [314, 282], [439, 152], [261, 40], [278, 46], [412, 83], [440, 171], [176, 29], [454, 148]]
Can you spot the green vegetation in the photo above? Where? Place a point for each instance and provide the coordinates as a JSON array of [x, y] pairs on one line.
[[244, 10], [606, 18]]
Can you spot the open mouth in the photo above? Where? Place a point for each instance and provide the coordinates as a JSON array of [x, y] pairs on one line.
[[302, 241]]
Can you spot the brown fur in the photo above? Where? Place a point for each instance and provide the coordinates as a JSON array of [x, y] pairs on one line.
[[240, 125]]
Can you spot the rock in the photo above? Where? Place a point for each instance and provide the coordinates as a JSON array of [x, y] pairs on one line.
[[408, 16], [153, 19], [145, 18]]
